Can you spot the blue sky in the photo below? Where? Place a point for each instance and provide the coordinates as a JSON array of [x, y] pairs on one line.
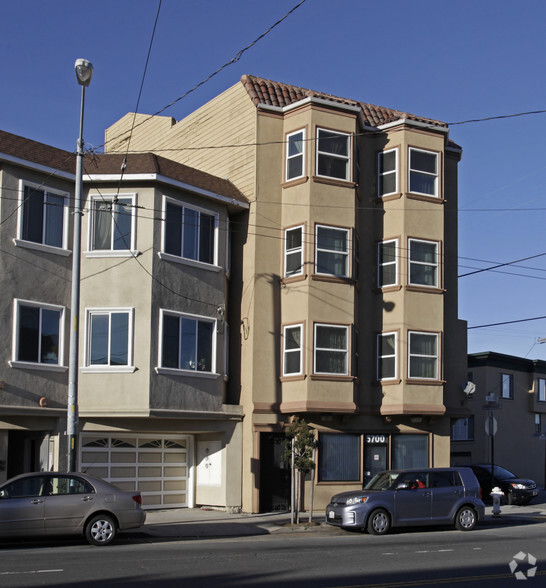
[[452, 61]]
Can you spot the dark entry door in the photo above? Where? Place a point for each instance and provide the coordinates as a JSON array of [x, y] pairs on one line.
[[375, 460], [274, 473]]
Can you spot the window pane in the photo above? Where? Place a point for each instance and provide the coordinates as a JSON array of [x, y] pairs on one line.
[[54, 213], [423, 161], [329, 242], [123, 224], [423, 251], [119, 353], [409, 451], [206, 238], [29, 333], [173, 229], [333, 155], [294, 164], [191, 233], [295, 144], [169, 349], [423, 356], [33, 215], [295, 167], [187, 344], [102, 225], [339, 458], [292, 350], [204, 346], [387, 162], [99, 339], [387, 184], [329, 142], [424, 275], [49, 352], [292, 338], [293, 251]]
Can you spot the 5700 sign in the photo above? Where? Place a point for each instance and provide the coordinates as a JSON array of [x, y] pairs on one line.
[[376, 439]]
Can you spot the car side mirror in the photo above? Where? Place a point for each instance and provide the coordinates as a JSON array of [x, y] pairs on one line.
[[401, 486]]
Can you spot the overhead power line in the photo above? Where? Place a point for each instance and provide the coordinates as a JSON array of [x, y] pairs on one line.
[[536, 318]]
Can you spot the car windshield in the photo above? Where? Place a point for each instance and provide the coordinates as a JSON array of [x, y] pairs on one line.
[[382, 481], [500, 472]]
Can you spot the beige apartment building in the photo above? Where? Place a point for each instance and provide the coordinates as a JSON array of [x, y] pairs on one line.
[[347, 279]]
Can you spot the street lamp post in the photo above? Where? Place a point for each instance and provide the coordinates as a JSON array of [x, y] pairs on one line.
[[84, 72]]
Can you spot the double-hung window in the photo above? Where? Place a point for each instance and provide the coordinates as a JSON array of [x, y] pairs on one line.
[[187, 342], [109, 338], [331, 350], [112, 224], [333, 155], [295, 155], [423, 356], [423, 263], [387, 263], [190, 233], [293, 252], [423, 172], [541, 384], [43, 216], [386, 356], [332, 251], [292, 350], [387, 172], [507, 386], [38, 334]]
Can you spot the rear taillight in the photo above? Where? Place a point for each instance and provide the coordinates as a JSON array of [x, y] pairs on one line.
[[137, 498]]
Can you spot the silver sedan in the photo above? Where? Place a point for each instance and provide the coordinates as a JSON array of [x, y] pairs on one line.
[[53, 503]]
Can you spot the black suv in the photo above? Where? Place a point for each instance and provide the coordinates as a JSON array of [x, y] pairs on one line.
[[516, 490]]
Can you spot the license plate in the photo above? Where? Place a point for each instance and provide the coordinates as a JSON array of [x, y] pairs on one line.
[[331, 514], [535, 492]]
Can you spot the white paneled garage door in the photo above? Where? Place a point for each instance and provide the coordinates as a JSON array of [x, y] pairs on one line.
[[157, 466]]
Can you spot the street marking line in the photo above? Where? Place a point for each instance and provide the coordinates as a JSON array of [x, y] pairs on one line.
[[30, 572]]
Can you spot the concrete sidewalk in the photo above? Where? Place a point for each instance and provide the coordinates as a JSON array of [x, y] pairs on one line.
[[208, 522]]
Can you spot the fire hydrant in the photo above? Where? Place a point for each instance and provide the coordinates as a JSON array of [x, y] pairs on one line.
[[496, 494]]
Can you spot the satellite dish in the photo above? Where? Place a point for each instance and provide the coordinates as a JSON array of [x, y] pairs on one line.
[[469, 388]]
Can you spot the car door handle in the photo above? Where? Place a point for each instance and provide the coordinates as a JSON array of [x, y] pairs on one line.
[[36, 501], [87, 498]]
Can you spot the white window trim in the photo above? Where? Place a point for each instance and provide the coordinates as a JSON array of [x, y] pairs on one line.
[[298, 326], [511, 386], [121, 369], [293, 251], [380, 175], [186, 260], [380, 265], [302, 155], [380, 357], [434, 175], [346, 253], [346, 350], [51, 367], [91, 251], [423, 263], [346, 158], [179, 371], [20, 242], [437, 356]]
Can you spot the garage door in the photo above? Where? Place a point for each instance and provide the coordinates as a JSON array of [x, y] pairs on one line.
[[157, 466]]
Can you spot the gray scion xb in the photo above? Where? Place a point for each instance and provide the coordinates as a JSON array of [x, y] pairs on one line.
[[397, 498]]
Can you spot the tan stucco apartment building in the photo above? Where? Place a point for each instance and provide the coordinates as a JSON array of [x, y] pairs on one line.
[[347, 278]]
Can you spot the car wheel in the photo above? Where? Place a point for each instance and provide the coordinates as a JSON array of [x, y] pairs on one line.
[[100, 530], [379, 522], [465, 519]]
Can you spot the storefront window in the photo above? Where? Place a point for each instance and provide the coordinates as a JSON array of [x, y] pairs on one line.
[[409, 451]]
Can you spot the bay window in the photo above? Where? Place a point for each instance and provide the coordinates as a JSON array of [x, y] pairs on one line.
[[332, 251], [333, 154], [423, 172], [331, 349], [423, 263]]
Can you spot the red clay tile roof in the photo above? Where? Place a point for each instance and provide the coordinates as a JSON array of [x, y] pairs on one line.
[[271, 93], [110, 163]]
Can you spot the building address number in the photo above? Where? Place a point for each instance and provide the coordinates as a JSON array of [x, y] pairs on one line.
[[376, 439]]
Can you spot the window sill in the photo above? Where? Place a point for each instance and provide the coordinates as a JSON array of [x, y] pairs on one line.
[[294, 378], [295, 182], [44, 367], [331, 278], [425, 382], [113, 253], [388, 197], [191, 262], [334, 181], [425, 289], [425, 197], [292, 279], [333, 377], [107, 369], [42, 247], [185, 373], [391, 288], [389, 382]]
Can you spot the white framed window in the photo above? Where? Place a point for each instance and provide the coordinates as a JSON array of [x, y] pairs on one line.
[[38, 335], [109, 340], [333, 155], [423, 263], [387, 350], [423, 356], [293, 252], [541, 385], [43, 218], [462, 429], [187, 343], [112, 222], [387, 172], [387, 263], [423, 172], [295, 155], [331, 349], [292, 350], [332, 251], [507, 386], [190, 233]]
